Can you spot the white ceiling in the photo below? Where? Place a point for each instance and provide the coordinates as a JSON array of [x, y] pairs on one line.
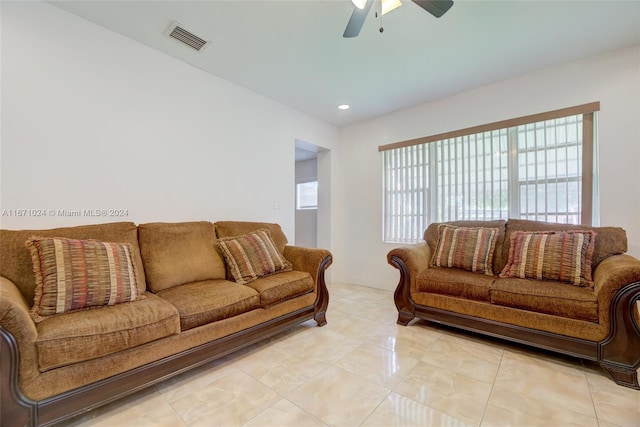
[[294, 52]]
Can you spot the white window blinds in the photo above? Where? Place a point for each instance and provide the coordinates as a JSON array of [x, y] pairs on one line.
[[536, 167], [406, 192]]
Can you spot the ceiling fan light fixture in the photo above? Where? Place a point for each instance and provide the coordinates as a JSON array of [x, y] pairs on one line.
[[360, 4], [389, 5]]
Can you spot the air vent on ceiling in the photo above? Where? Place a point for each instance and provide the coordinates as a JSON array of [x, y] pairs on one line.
[[179, 33]]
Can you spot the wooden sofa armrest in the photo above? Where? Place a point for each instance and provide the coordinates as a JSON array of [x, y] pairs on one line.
[[18, 355], [308, 259], [15, 317], [611, 275], [410, 261], [315, 262], [617, 286], [416, 257]]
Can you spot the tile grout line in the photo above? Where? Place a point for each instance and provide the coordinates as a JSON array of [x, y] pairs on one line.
[[156, 387], [376, 408], [593, 402], [493, 384], [282, 396]]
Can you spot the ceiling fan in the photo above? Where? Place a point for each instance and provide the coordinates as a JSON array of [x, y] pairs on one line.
[[435, 7]]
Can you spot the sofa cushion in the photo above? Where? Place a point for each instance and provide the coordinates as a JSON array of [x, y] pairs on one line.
[[546, 297], [282, 286], [239, 228], [89, 334], [610, 240], [75, 274], [563, 256], [431, 237], [467, 248], [457, 283], [16, 262], [207, 301], [178, 253], [252, 255]]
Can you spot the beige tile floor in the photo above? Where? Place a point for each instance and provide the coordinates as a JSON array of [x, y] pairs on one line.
[[364, 370]]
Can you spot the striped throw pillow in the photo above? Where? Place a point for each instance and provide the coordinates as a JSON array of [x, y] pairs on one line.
[[467, 248], [252, 256], [548, 255], [75, 274]]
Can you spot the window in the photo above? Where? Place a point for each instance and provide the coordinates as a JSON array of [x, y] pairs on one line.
[[307, 195], [538, 167]]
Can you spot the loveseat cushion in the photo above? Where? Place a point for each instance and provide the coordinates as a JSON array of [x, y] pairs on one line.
[[562, 256], [89, 334], [282, 286], [208, 301], [178, 253], [431, 235], [456, 283], [609, 240], [546, 297], [467, 248], [16, 262]]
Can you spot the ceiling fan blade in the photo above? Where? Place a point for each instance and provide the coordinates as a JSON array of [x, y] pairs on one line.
[[435, 7], [357, 20]]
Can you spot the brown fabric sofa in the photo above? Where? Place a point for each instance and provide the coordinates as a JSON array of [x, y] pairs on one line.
[[600, 324], [191, 312]]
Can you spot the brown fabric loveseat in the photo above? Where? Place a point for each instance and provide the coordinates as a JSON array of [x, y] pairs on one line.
[[190, 312], [598, 321]]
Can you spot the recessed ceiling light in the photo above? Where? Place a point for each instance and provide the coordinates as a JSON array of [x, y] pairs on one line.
[[344, 106]]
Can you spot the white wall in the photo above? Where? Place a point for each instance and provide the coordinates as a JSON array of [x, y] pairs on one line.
[[612, 78], [91, 119]]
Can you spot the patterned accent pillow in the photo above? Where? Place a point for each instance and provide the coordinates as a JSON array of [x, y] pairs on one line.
[[75, 274], [252, 256], [561, 256], [467, 248]]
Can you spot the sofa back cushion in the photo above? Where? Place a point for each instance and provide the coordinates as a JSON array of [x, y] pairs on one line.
[[177, 253], [240, 228], [431, 237], [608, 240], [15, 259]]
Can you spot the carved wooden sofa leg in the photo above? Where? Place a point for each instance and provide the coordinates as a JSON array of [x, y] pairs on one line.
[[622, 375], [404, 318], [320, 318]]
